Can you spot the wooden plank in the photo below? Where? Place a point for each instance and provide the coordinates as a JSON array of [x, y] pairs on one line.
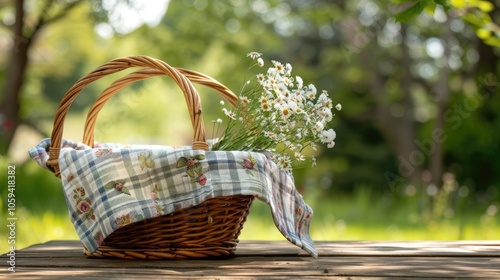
[[406, 248], [424, 267], [273, 260], [157, 274], [325, 248]]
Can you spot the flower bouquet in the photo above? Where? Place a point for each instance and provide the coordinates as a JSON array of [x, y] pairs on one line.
[[276, 113]]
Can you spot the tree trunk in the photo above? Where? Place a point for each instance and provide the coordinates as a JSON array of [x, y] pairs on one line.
[[399, 131], [9, 108], [410, 159], [442, 93]]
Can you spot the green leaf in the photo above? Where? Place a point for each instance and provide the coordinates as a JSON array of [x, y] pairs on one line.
[[200, 157], [146, 161], [459, 4], [493, 41], [125, 190], [485, 6], [430, 8], [473, 20], [191, 172], [197, 168], [181, 162], [443, 3], [483, 33], [110, 185], [412, 11]]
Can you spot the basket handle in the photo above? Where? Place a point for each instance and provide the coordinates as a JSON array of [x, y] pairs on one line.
[[116, 65], [193, 76]]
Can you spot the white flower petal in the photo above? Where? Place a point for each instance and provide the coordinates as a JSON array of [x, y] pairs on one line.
[[260, 62]]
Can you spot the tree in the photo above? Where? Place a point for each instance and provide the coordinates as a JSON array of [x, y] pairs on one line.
[[30, 19], [475, 13], [25, 30]]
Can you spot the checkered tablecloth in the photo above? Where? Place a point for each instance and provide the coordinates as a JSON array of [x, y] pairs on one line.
[[112, 185]]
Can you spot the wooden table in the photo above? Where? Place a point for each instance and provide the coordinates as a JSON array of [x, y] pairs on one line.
[[273, 260]]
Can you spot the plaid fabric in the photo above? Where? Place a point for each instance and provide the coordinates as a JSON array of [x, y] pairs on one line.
[[111, 185]]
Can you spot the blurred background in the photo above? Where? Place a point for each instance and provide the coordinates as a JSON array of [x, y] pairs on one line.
[[417, 149]]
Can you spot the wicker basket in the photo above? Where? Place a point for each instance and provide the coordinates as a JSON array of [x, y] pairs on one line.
[[208, 230]]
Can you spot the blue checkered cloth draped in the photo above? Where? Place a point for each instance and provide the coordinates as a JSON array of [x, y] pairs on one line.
[[112, 185]]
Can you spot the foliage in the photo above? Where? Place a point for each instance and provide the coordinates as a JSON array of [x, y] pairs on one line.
[[474, 12]]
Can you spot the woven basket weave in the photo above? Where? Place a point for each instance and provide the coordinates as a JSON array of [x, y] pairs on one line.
[[208, 230]]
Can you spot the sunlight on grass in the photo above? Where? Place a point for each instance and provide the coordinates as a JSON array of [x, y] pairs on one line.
[[38, 228], [260, 226], [45, 227]]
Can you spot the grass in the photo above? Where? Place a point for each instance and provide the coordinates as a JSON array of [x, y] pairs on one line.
[[367, 216], [408, 214]]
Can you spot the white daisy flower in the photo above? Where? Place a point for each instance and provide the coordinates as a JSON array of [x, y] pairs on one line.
[[260, 78], [299, 81], [328, 136], [299, 156], [244, 99], [285, 111], [260, 62], [254, 55]]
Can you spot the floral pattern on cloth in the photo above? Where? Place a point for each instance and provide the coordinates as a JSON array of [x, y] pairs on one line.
[[111, 185], [83, 204]]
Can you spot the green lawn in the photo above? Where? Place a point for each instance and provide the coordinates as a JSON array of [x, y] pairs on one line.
[[452, 214], [367, 216]]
